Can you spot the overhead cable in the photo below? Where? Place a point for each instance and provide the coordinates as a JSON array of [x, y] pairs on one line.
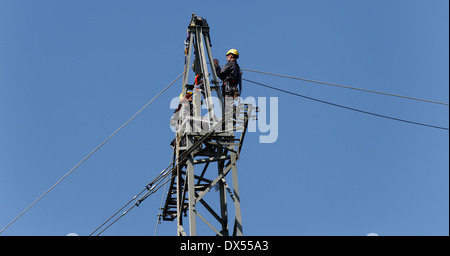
[[152, 188], [345, 107], [158, 221], [345, 86], [91, 153]]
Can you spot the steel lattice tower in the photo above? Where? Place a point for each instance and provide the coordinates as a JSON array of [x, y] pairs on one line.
[[201, 143]]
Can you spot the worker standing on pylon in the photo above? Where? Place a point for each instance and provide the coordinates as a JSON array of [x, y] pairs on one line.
[[183, 110], [231, 77], [230, 74]]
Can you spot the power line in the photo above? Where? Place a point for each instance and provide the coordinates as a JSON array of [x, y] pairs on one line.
[[158, 221], [152, 188], [345, 107], [347, 87], [90, 154]]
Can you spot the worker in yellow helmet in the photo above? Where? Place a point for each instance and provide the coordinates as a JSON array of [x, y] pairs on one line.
[[230, 74]]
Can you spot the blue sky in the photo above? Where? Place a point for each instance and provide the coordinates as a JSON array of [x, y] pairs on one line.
[[72, 72]]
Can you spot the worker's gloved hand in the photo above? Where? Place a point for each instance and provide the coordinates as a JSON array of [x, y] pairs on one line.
[[216, 62]]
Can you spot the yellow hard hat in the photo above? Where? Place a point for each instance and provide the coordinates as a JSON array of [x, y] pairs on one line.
[[234, 52], [187, 93]]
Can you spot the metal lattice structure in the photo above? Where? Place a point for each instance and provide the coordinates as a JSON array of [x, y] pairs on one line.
[[205, 141]]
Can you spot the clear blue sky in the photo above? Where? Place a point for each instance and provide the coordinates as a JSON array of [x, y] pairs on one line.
[[71, 72]]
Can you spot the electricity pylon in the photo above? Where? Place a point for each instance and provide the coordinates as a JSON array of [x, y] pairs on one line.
[[204, 141]]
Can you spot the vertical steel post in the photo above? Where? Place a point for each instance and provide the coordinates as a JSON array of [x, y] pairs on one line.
[[223, 198], [206, 82], [191, 189], [213, 70], [187, 64], [237, 197]]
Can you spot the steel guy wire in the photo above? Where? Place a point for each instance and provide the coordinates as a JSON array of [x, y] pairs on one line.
[[91, 153]]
